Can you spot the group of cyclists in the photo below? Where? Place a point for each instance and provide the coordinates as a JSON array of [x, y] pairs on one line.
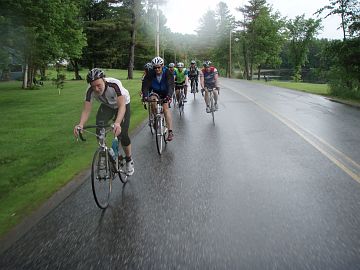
[[158, 82]]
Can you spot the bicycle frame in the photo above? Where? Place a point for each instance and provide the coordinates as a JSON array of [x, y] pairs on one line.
[[160, 125]]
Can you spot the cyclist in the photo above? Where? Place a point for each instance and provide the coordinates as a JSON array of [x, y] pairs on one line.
[[160, 83], [172, 70], [181, 80], [194, 74], [114, 104], [209, 79], [147, 68]]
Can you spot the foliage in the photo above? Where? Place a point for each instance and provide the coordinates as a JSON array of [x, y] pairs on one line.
[[344, 78], [301, 32], [262, 37], [349, 12], [43, 31]]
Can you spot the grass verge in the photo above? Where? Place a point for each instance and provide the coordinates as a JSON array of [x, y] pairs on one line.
[[39, 153]]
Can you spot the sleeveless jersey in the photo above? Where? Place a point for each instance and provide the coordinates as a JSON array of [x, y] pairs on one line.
[[209, 77], [180, 76]]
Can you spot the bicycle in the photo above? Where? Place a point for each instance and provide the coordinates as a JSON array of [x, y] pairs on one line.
[[174, 99], [181, 100], [212, 103], [105, 165], [159, 125], [193, 86], [150, 118]]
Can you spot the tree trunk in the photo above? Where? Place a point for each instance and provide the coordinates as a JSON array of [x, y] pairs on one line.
[[132, 43], [246, 63], [75, 65], [25, 78], [259, 68]]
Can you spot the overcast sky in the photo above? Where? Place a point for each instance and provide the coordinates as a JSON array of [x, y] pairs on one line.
[[183, 16]]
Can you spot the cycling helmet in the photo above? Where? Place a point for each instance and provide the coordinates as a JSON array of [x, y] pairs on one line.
[[157, 61], [207, 63], [193, 62], [171, 65], [95, 74], [180, 65], [148, 66]]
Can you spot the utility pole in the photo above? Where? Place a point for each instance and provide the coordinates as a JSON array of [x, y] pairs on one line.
[[157, 29], [230, 56]]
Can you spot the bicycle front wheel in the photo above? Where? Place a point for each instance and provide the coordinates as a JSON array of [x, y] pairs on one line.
[[212, 107], [101, 178], [159, 135]]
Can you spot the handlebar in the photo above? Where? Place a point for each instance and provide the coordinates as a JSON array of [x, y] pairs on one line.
[[92, 126]]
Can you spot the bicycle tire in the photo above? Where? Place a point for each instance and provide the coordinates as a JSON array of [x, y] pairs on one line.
[[121, 172], [193, 88], [101, 178], [212, 107], [151, 122], [159, 134]]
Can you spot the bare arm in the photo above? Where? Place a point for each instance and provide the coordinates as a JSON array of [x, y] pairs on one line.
[[84, 117], [202, 80]]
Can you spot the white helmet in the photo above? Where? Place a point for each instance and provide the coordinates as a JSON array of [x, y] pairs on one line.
[[180, 65], [157, 61]]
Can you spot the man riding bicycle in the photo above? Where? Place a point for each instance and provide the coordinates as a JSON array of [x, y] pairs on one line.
[[181, 80], [159, 83], [114, 104], [209, 79], [193, 75]]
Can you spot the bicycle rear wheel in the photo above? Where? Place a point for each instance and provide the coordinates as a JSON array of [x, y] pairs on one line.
[[101, 178], [159, 134], [193, 90]]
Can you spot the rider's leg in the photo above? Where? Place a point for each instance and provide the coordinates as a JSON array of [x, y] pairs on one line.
[[167, 114], [124, 138], [216, 94], [104, 115], [153, 104], [185, 90], [206, 97], [177, 91]]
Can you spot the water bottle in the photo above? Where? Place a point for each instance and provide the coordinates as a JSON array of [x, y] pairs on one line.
[[115, 146], [112, 154]]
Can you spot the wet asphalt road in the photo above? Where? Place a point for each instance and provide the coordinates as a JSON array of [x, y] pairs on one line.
[[273, 185]]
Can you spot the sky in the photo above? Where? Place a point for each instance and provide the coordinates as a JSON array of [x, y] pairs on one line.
[[183, 16]]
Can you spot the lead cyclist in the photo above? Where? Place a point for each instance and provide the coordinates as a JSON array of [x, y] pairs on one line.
[[209, 79]]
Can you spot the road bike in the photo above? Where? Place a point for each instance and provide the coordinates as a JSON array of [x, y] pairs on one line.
[[159, 125], [193, 86], [105, 166], [150, 118], [181, 100], [212, 103]]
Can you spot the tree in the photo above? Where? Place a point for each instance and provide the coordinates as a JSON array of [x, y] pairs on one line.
[[44, 32], [262, 36], [207, 34], [301, 33], [225, 25], [349, 12]]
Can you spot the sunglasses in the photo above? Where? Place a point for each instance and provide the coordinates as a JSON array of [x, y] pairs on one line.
[[159, 67]]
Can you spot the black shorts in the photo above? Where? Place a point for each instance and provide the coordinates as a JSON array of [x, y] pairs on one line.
[[105, 114]]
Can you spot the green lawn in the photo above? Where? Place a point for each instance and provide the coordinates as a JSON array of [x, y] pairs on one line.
[[39, 154], [320, 89]]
